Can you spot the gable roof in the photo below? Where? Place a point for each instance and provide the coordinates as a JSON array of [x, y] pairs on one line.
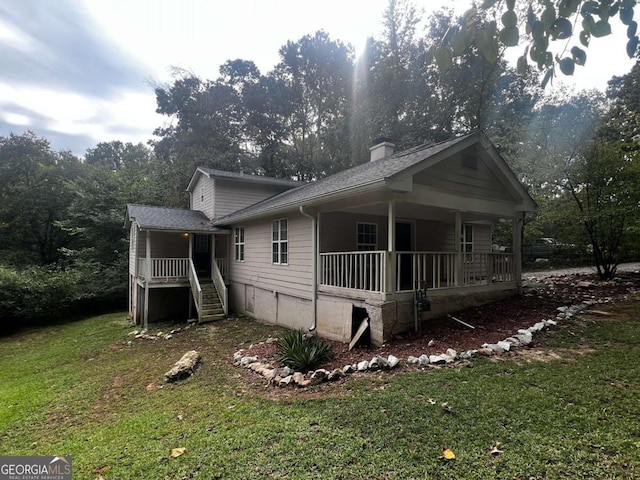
[[240, 177], [174, 219], [380, 173]]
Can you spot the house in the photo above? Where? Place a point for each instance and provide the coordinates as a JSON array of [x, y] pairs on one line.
[[324, 255]]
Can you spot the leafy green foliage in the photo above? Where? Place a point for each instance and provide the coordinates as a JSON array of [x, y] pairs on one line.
[[545, 22], [302, 352]]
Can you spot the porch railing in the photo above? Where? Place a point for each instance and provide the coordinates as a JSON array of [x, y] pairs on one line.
[[196, 288], [367, 270], [355, 270], [438, 269], [221, 287], [164, 269], [435, 269], [223, 266]]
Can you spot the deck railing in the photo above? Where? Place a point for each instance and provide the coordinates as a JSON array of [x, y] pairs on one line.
[[223, 266], [196, 289], [164, 269], [436, 270], [221, 287], [355, 270]]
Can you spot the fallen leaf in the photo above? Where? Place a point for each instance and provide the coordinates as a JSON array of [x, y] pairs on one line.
[[448, 454], [431, 401], [176, 452], [495, 450], [447, 408]]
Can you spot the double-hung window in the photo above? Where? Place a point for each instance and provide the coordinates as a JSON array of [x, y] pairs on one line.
[[367, 236], [466, 239], [280, 242], [239, 244]]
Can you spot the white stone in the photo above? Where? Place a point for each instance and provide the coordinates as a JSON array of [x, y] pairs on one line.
[[363, 366], [319, 376], [335, 374], [468, 354], [562, 309], [452, 353], [245, 361], [524, 339], [423, 359], [285, 381], [550, 323], [412, 360], [437, 359], [348, 369], [392, 362], [506, 346], [377, 363]]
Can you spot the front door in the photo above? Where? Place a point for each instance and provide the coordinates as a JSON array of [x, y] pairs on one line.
[[404, 243], [202, 254]]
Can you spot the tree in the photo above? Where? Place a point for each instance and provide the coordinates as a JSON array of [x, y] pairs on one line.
[[34, 197], [605, 185], [541, 24], [314, 81]]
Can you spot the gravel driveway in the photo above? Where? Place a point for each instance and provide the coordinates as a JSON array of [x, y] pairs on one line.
[[623, 267]]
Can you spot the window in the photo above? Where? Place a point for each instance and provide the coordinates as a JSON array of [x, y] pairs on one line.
[[466, 239], [279, 241], [367, 234], [239, 244]]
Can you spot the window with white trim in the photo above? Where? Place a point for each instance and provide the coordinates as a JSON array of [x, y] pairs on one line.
[[367, 236], [238, 242], [466, 238], [279, 242]]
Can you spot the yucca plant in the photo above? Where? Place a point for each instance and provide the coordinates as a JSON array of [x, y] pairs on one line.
[[302, 353]]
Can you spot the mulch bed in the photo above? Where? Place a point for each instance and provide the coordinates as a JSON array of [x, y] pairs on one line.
[[494, 322]]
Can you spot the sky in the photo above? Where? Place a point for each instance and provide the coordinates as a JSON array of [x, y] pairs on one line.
[[80, 72]]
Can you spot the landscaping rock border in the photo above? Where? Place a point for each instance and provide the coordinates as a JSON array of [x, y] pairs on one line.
[[284, 376]]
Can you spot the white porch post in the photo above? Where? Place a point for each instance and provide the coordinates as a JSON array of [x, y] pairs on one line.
[[458, 245], [517, 251], [190, 260], [391, 248], [145, 320], [213, 253]]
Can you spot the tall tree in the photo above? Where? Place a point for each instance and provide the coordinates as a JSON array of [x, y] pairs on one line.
[[34, 197]]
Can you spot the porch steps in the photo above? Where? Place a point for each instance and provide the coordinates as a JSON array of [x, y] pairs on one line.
[[211, 305]]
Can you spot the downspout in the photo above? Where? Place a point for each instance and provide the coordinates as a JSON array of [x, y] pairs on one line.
[[314, 281]]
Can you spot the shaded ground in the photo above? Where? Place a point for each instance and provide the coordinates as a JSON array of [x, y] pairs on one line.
[[544, 292]]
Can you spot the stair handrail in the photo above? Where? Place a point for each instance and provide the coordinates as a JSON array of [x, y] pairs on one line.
[[196, 288], [221, 287]]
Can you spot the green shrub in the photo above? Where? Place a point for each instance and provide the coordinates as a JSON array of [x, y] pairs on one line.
[[302, 353]]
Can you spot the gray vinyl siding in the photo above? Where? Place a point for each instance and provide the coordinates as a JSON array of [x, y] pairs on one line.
[[481, 238], [163, 245], [257, 270], [338, 233], [133, 242], [452, 176], [203, 187], [169, 245], [231, 196]]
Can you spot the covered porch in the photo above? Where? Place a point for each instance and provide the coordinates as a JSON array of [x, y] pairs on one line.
[[374, 256], [175, 272]]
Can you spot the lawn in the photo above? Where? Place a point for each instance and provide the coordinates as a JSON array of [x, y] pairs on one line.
[[80, 389]]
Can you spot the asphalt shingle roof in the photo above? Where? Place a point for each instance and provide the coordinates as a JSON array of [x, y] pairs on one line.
[[162, 218], [366, 174], [245, 177]]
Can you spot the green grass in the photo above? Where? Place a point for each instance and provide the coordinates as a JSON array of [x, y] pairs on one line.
[[79, 389]]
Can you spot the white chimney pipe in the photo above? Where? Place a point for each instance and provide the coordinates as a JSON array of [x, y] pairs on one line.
[[381, 150]]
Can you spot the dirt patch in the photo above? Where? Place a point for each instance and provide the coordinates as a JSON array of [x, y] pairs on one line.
[[530, 355], [541, 297]]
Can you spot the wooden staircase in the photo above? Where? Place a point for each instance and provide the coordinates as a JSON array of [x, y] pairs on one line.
[[212, 309]]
